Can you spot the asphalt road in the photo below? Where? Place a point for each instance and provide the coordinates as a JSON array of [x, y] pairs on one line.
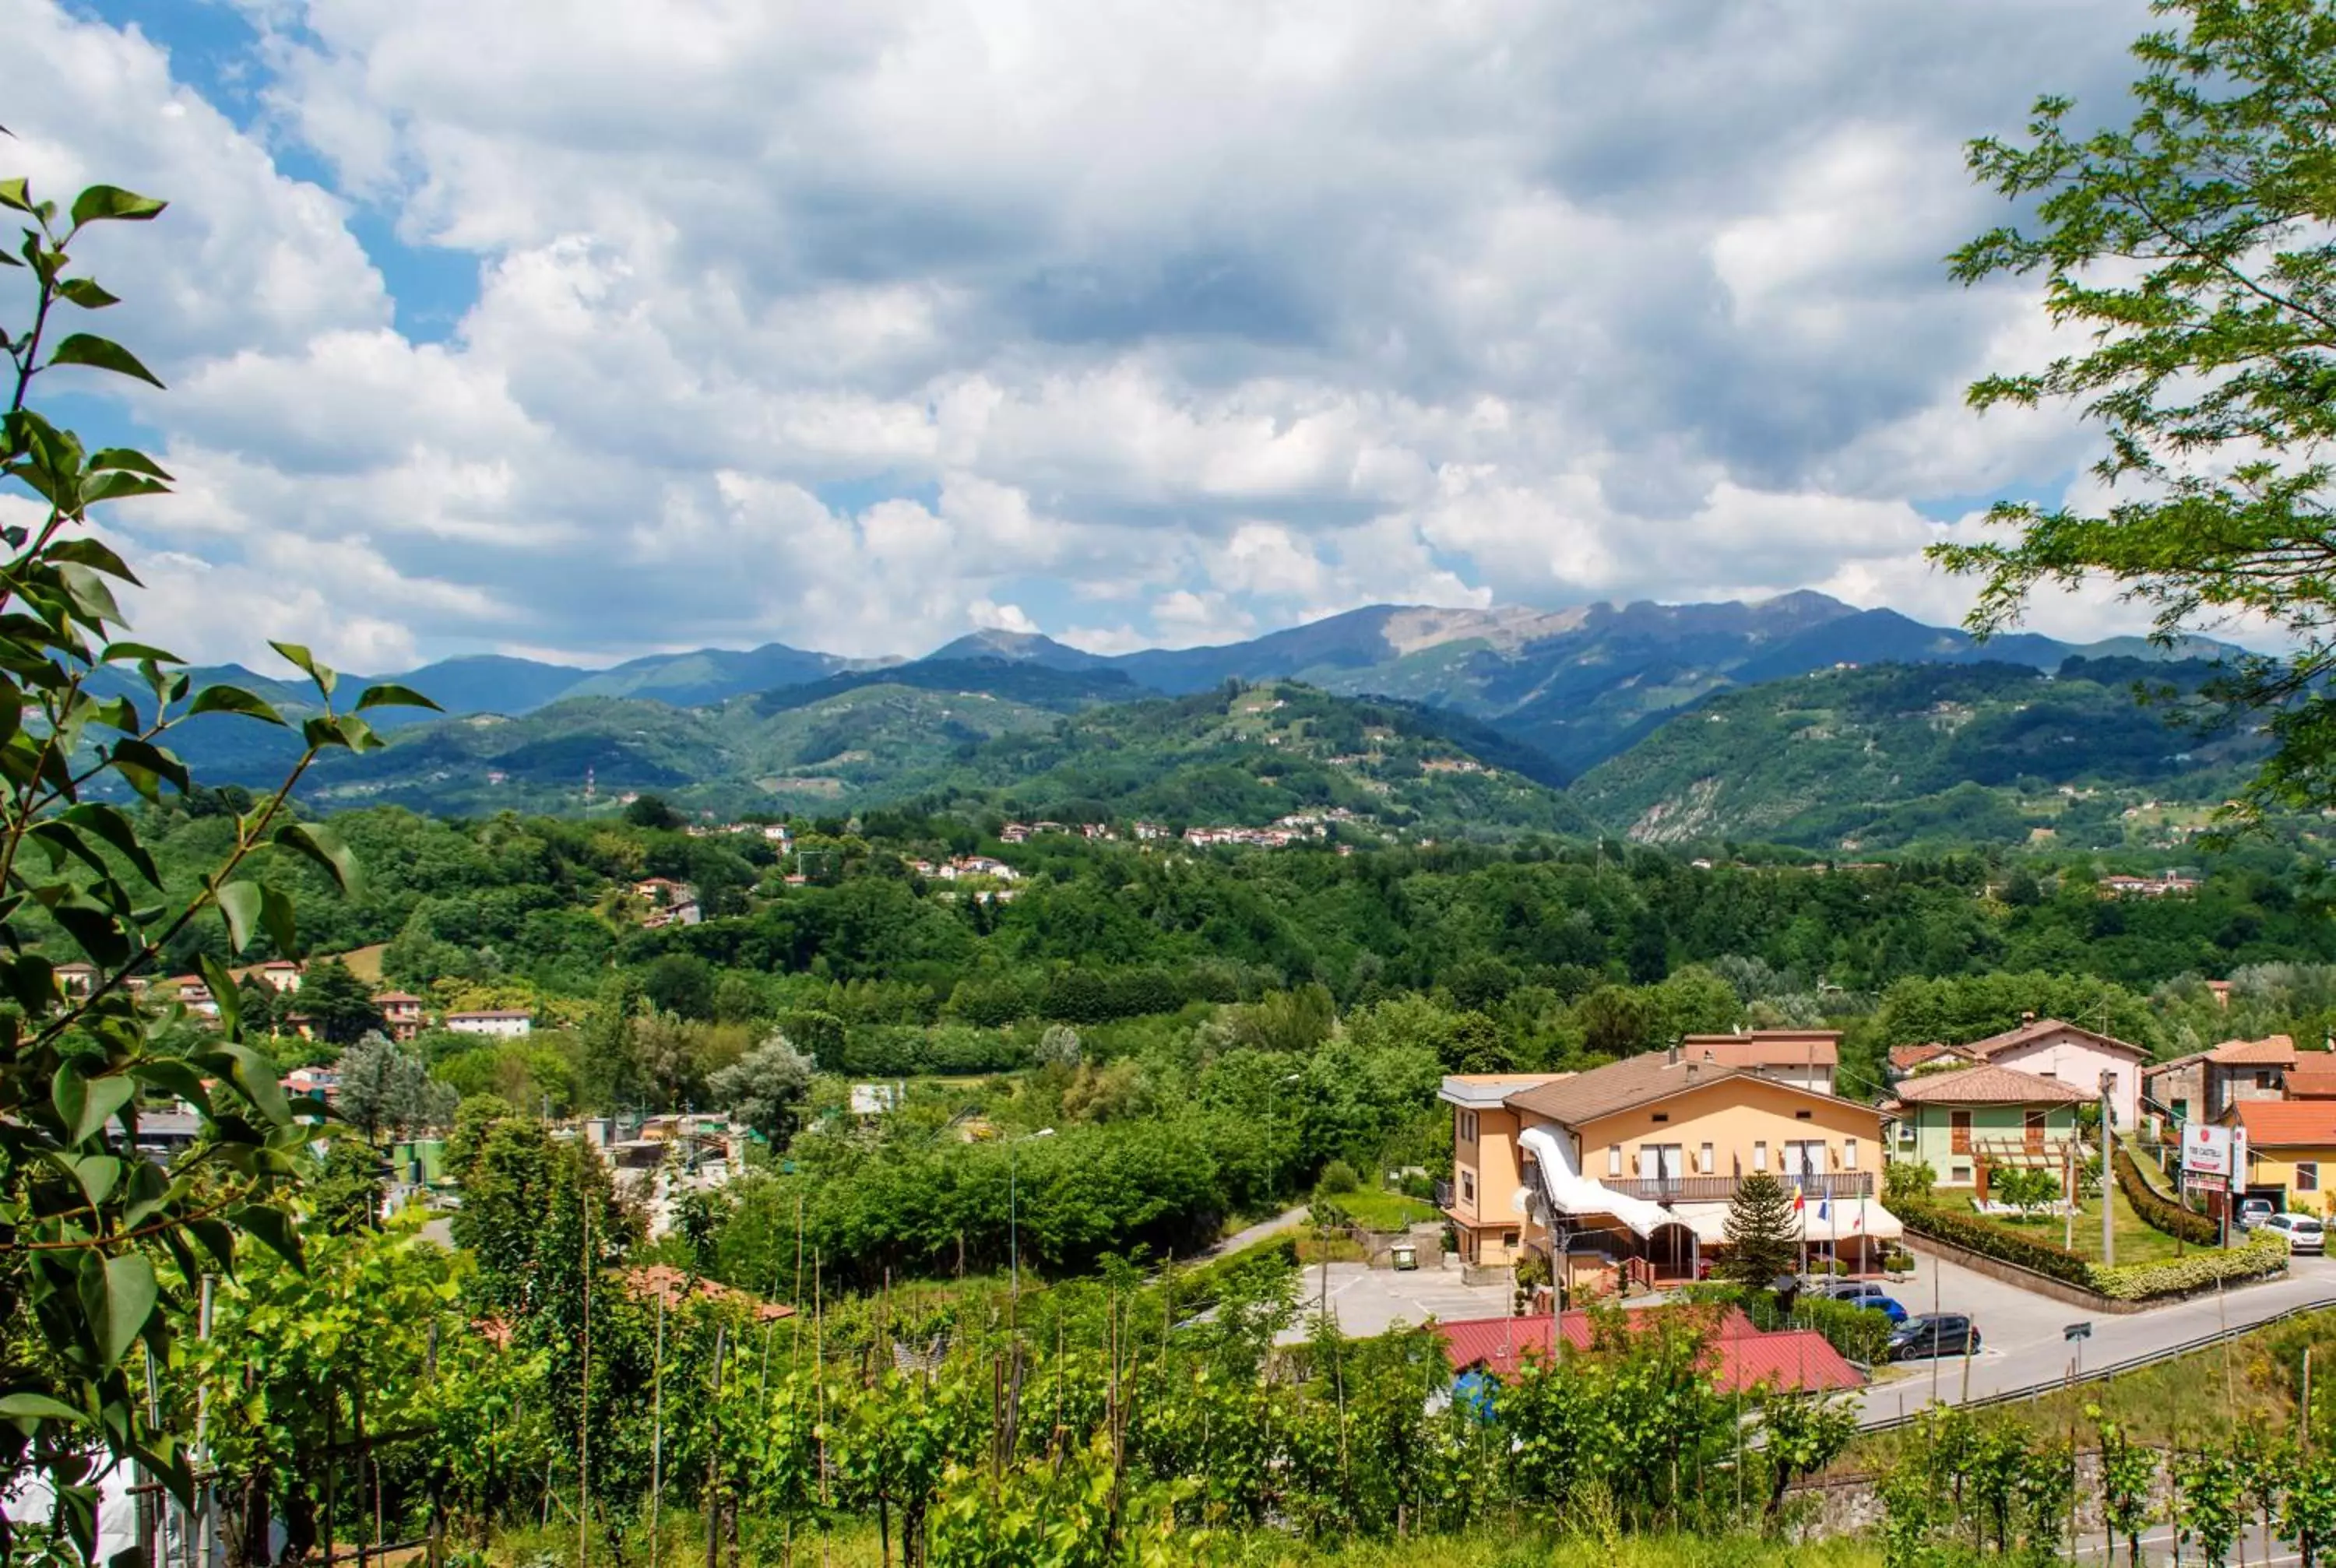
[[2023, 1332]]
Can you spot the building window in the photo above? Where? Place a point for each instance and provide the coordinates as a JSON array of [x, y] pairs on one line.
[[1703, 1159], [2307, 1175], [1905, 1134], [1467, 1126], [1801, 1116], [1849, 1153], [2263, 1079], [1468, 1187], [1613, 1159], [1662, 1117], [1760, 1155], [1960, 1175]]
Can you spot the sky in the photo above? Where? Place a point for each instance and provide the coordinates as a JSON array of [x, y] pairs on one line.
[[588, 328]]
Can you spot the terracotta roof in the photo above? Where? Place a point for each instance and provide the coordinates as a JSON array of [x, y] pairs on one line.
[[1766, 1048], [651, 1280], [1985, 1086], [397, 997], [1906, 1056], [2042, 1028], [1619, 1086], [2273, 1123], [2314, 1082], [1739, 1356], [2271, 1051], [2174, 1064]]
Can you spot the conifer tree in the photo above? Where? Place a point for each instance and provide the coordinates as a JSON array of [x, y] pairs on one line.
[[1764, 1234]]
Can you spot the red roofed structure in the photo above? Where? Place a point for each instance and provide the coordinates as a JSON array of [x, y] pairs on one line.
[[1740, 1357]]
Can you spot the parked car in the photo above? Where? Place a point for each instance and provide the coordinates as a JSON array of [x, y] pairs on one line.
[[2254, 1211], [2304, 1233], [1933, 1334], [1867, 1293]]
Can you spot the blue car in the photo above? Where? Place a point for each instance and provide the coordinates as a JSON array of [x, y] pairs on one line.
[[1868, 1294]]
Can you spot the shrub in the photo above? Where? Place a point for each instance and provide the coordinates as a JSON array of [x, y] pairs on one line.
[[2157, 1212], [1908, 1181], [2141, 1281], [1993, 1241], [1338, 1176]]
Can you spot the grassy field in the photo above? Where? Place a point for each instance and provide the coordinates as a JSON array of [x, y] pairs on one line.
[[2135, 1242], [1383, 1211]]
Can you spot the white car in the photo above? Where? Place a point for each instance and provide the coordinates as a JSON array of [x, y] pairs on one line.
[[2304, 1233]]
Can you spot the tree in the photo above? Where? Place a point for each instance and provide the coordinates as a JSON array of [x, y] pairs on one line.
[[1058, 1048], [764, 1087], [651, 812], [91, 1266], [1764, 1234], [385, 1088], [2191, 247], [339, 1005], [2026, 1188]]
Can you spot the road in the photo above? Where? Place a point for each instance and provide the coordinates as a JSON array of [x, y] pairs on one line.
[[2022, 1330]]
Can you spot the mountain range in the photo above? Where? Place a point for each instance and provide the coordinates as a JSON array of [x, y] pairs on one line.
[[1543, 697]]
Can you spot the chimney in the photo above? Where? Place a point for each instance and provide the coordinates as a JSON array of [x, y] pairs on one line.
[[1671, 1057], [2028, 1018]]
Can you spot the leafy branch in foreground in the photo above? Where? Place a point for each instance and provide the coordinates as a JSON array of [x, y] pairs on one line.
[[100, 1244], [2192, 246]]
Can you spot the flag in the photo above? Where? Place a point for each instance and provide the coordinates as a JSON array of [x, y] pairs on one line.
[[1824, 1208], [1799, 1202]]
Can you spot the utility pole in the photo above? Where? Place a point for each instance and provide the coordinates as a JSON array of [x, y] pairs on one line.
[[2108, 1130]]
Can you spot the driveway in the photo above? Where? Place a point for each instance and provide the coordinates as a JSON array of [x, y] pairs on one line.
[[1364, 1301], [2023, 1330]]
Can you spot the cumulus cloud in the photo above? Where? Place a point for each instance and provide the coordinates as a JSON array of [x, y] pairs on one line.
[[859, 327]]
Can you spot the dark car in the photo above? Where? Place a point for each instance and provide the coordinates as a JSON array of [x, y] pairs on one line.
[[1933, 1334], [1867, 1294]]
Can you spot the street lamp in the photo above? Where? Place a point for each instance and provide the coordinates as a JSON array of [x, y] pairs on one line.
[[1013, 1207]]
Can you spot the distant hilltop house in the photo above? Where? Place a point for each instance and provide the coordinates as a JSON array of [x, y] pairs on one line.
[[77, 979], [2167, 885], [503, 1023], [402, 1012], [191, 993], [1014, 834], [281, 975], [671, 902], [314, 1083], [965, 866], [1148, 831]]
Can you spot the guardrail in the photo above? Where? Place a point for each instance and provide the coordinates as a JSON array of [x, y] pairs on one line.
[[1721, 1189], [2102, 1374]]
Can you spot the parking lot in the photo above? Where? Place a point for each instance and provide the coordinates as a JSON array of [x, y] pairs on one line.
[[1366, 1300]]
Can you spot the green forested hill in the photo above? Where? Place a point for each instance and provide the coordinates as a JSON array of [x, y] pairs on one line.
[[1878, 758]]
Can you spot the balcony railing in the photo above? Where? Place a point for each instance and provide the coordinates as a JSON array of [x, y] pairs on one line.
[[1721, 1189]]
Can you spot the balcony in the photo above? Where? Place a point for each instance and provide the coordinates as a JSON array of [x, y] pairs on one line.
[[1721, 1189]]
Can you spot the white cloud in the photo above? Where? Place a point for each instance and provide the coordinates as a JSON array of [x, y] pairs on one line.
[[858, 327]]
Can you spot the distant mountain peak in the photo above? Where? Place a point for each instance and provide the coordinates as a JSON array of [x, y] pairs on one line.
[[1015, 647]]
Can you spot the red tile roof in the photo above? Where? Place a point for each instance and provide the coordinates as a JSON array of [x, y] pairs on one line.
[[2288, 1124], [2271, 1051], [1903, 1058], [1986, 1087], [1740, 1356], [2043, 1029], [2311, 1083]]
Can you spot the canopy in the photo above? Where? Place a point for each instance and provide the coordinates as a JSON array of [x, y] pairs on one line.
[[1833, 1220]]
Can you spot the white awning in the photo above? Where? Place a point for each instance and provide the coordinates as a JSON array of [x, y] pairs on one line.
[[1843, 1220]]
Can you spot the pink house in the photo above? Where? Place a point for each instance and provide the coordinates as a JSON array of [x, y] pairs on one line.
[[2078, 1058]]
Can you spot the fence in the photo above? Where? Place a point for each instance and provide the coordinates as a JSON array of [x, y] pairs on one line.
[[2102, 1374]]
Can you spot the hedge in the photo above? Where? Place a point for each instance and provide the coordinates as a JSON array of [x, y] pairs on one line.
[[2159, 1213], [2139, 1281], [1993, 1241]]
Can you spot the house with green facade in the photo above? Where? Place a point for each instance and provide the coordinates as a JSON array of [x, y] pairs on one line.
[[1965, 1121]]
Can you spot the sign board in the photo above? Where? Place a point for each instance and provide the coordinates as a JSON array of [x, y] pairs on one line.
[[2077, 1331], [2194, 1183], [2205, 1151]]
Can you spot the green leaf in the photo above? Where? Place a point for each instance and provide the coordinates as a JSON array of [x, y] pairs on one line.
[[15, 193], [86, 293], [142, 764], [109, 823], [224, 992], [98, 1176], [255, 1074], [100, 202], [239, 904], [95, 930], [119, 1295], [324, 674], [86, 1104], [388, 694], [31, 1407], [323, 845], [119, 487], [101, 353], [115, 652], [91, 596], [274, 1229], [130, 459], [276, 913], [232, 699], [90, 553]]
